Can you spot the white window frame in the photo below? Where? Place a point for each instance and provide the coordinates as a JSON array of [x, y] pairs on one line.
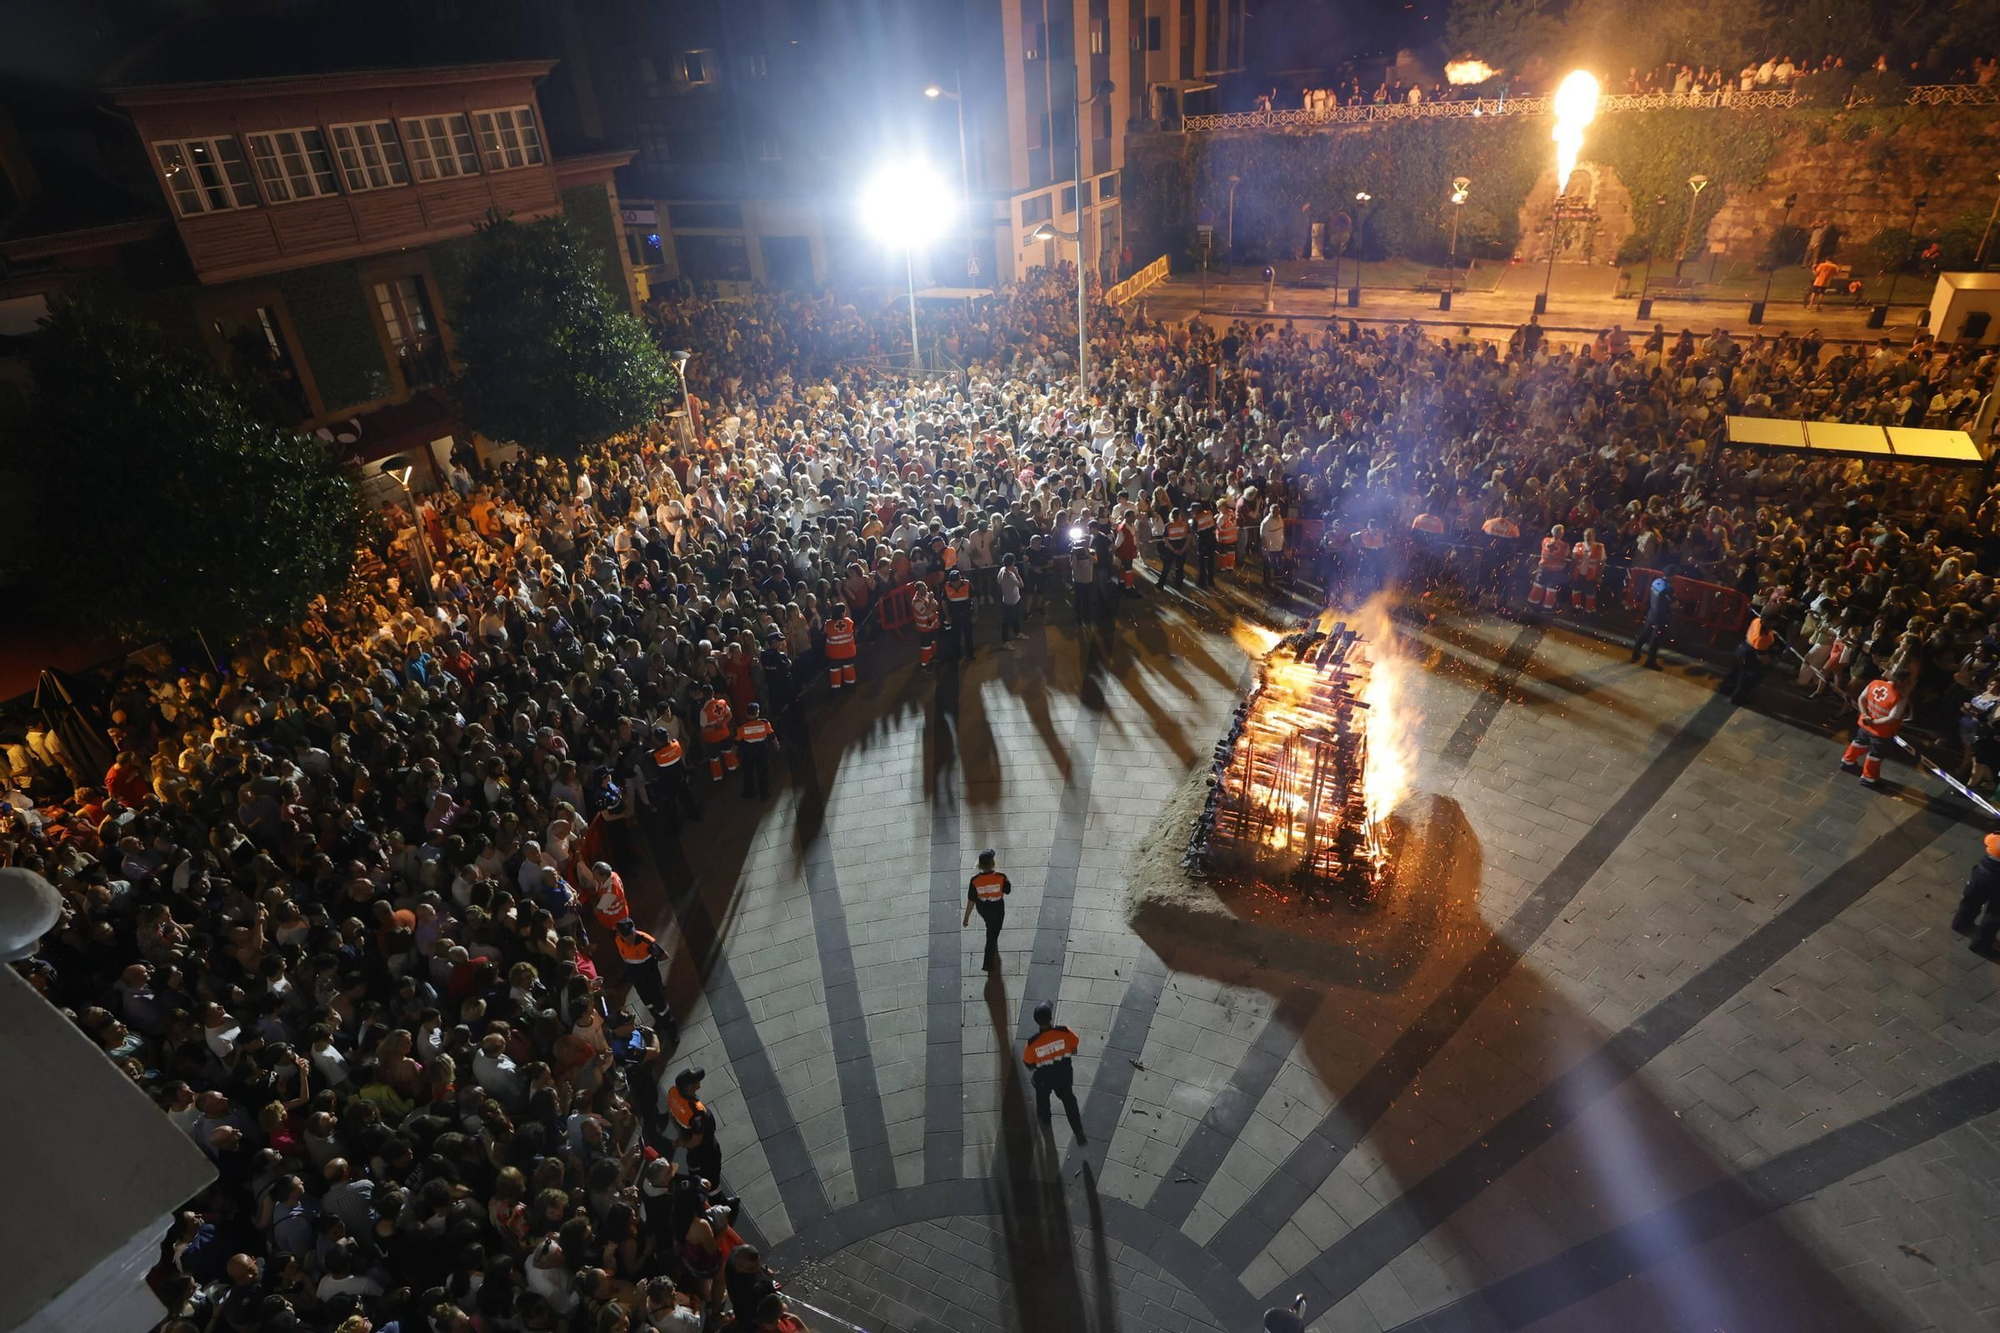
[[292, 164], [705, 56], [206, 179], [441, 147], [370, 154], [510, 138]]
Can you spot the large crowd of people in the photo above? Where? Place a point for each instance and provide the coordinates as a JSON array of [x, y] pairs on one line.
[[351, 905]]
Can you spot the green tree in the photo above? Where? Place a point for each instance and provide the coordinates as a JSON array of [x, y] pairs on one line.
[[165, 503], [551, 363]]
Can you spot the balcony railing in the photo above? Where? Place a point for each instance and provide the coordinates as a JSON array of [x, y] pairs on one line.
[[1942, 94]]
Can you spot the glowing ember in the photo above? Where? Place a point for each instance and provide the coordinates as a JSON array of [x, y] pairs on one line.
[[1295, 786], [1576, 107], [1461, 72]]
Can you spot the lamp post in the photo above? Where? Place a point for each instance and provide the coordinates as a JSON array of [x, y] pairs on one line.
[[1757, 307], [1460, 187], [1979, 257], [402, 469], [1652, 243], [953, 95], [1049, 231], [1104, 89], [1361, 201], [906, 205], [680, 358], [1555, 234], [1696, 183], [1229, 236], [1917, 206]]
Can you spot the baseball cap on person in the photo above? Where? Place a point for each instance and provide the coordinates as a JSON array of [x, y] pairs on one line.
[[987, 857]]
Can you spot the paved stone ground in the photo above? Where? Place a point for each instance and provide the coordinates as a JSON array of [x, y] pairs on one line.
[[1690, 1048]]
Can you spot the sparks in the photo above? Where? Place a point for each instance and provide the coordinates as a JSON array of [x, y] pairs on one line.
[[1576, 107]]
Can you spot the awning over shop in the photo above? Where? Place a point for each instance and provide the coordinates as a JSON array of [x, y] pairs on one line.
[[1906, 443]]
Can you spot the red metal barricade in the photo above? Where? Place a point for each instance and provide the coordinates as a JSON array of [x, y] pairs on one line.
[[892, 610]]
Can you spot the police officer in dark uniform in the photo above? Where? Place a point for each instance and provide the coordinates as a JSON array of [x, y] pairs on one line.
[[1979, 910], [669, 785], [778, 683], [1204, 544], [1047, 1057], [1659, 614], [986, 893]]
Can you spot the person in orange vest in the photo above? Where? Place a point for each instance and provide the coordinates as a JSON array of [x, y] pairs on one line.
[[1227, 535], [1552, 573], [641, 954], [1048, 1057], [1125, 550], [1753, 659], [694, 1125], [611, 905], [1174, 551], [717, 734], [959, 613], [924, 613], [1884, 705], [986, 892], [1586, 560], [753, 740], [1978, 913], [1204, 544], [839, 648], [670, 778]]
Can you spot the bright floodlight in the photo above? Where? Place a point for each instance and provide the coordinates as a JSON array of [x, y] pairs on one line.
[[907, 204]]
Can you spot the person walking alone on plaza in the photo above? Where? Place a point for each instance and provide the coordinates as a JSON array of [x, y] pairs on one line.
[[1271, 541], [1082, 579], [717, 733], [1884, 705], [1048, 1057], [986, 893], [1008, 582], [1659, 615], [1978, 912]]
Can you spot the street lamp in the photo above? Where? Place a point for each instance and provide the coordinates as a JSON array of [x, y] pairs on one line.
[[1979, 258], [1229, 236], [1049, 231], [402, 469], [1461, 186], [934, 92], [1555, 236], [1362, 199], [680, 358], [1696, 183], [907, 205], [1917, 206], [1757, 309]]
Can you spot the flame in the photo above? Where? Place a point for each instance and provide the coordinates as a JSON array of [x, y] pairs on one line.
[[1576, 107], [1466, 71], [1392, 716]]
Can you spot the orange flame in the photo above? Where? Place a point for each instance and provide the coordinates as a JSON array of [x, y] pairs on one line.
[[1392, 715], [1461, 72]]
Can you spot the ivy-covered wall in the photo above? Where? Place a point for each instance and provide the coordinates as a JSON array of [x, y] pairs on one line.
[[588, 208], [329, 308], [1858, 169]]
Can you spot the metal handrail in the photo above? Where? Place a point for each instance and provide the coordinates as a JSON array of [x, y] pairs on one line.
[[1939, 94], [1149, 276]]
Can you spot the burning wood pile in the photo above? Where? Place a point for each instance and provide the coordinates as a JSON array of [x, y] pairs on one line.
[[1288, 800]]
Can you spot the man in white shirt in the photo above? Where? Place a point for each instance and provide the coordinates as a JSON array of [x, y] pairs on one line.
[[1271, 540]]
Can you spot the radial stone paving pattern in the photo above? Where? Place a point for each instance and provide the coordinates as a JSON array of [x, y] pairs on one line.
[[1693, 1049]]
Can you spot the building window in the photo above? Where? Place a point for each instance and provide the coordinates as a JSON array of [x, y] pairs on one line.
[[441, 147], [1069, 199], [405, 309], [755, 66], [1153, 34], [1038, 129], [699, 67], [256, 354], [508, 138], [1035, 210], [1100, 36], [1031, 48], [206, 175], [370, 157], [292, 164], [1107, 186], [1102, 115]]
